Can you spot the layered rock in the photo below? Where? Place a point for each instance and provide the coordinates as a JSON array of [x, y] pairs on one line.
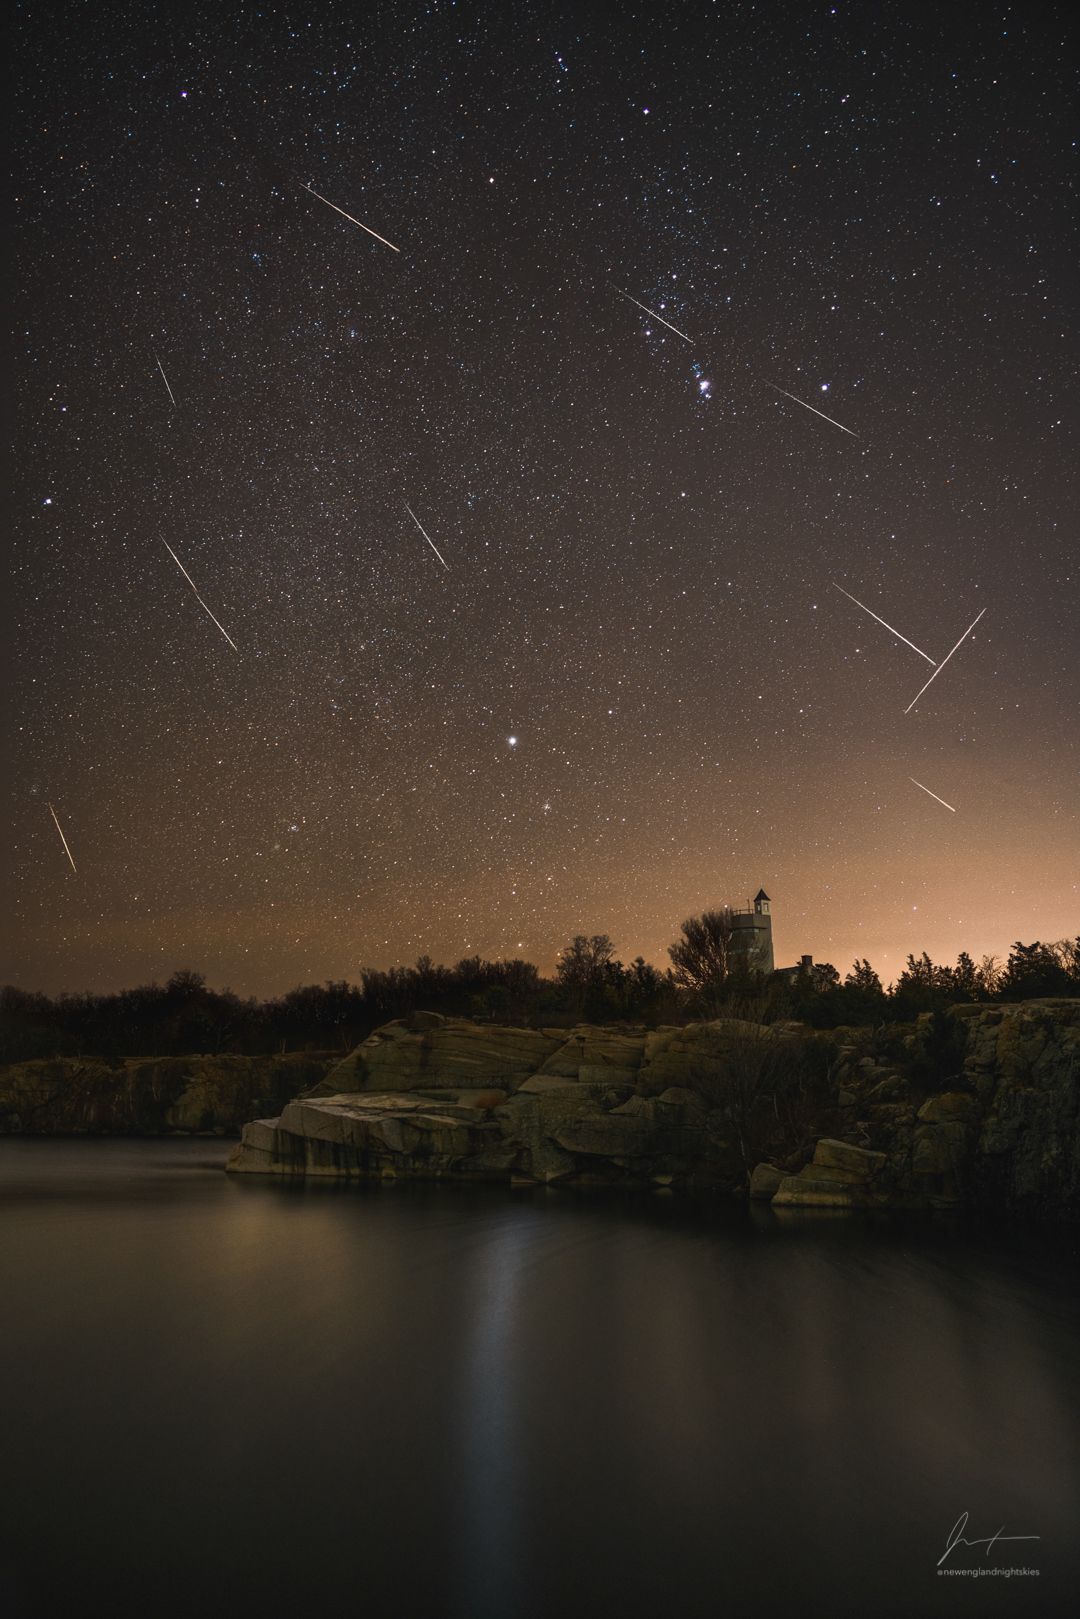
[[999, 1131], [427, 1050], [443, 1097], [839, 1176], [992, 1124]]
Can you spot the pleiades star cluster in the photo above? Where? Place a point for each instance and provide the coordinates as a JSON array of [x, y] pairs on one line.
[[512, 531]]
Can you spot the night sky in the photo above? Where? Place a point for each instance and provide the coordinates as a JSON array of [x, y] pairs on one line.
[[633, 691]]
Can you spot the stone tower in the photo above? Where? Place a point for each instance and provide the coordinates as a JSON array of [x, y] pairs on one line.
[[751, 940]]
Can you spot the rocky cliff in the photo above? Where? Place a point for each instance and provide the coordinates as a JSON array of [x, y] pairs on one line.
[[151, 1096], [978, 1108]]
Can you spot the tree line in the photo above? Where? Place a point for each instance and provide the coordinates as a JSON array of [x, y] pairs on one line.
[[709, 976]]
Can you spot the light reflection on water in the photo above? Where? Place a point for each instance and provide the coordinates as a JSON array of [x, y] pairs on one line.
[[246, 1396]]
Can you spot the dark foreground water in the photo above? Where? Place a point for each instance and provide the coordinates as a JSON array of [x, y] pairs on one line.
[[239, 1397]]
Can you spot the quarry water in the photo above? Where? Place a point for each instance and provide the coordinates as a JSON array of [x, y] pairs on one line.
[[226, 1396]]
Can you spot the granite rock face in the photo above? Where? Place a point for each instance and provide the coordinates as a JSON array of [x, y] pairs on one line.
[[428, 1051], [435, 1097], [151, 1096], [430, 1096], [1000, 1132]]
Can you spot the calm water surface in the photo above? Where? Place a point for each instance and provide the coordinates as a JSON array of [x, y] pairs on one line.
[[238, 1397]]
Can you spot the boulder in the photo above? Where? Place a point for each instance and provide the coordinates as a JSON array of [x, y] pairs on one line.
[[889, 1089], [940, 1149], [817, 1192], [679, 1096], [858, 1162], [765, 1182], [546, 1162], [952, 1107], [840, 1176]]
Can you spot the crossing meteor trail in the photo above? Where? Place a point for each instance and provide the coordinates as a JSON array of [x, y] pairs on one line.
[[350, 218], [932, 795], [63, 840], [165, 380], [814, 408], [427, 536], [198, 598], [900, 637], [943, 662], [654, 315]]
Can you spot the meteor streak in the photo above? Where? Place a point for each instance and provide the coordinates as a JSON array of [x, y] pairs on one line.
[[900, 637], [654, 315], [165, 380], [63, 840], [350, 218], [814, 408], [427, 536], [932, 795], [943, 662], [198, 598]]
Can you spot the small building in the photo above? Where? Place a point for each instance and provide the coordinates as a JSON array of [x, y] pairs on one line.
[[790, 974]]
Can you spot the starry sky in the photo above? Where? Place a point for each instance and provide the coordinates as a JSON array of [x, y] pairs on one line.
[[633, 690]]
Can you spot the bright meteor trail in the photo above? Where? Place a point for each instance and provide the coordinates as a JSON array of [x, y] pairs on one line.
[[63, 840], [427, 536], [654, 315], [815, 410], [932, 795], [198, 598], [351, 220], [165, 380], [943, 662], [889, 627]]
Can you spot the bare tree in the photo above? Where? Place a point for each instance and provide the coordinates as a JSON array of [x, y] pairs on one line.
[[772, 1092], [988, 975], [1066, 953], [588, 972], [702, 958], [584, 960]]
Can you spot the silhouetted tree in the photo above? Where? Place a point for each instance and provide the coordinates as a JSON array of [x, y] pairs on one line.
[[703, 959], [1035, 970], [585, 972], [644, 988], [988, 976], [863, 978], [584, 959], [861, 998], [964, 985], [919, 988]]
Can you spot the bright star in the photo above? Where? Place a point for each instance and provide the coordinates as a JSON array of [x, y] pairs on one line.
[[512, 740]]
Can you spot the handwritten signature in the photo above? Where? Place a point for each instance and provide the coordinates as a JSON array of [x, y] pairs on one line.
[[957, 1538]]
